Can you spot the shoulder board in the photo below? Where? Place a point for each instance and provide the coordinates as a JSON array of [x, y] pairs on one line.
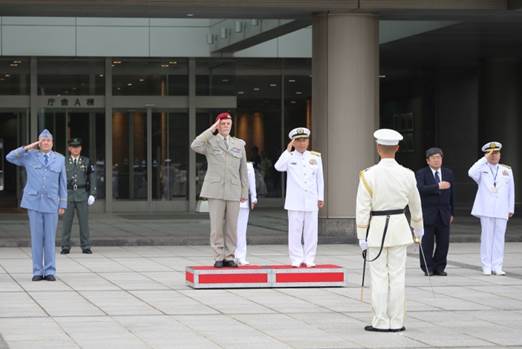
[[316, 153], [506, 166]]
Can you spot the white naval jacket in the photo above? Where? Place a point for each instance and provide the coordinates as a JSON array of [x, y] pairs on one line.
[[387, 186], [493, 201], [251, 187], [304, 183]]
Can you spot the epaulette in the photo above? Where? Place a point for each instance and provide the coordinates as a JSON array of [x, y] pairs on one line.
[[508, 167], [316, 153]]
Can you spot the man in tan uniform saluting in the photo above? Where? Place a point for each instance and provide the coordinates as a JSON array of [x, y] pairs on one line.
[[385, 190], [225, 186]]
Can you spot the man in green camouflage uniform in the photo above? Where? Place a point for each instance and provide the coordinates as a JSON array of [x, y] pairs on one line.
[[81, 193]]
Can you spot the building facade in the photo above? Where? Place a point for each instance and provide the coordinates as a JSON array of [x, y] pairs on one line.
[[138, 90]]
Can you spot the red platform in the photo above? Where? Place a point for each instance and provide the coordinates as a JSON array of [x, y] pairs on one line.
[[265, 276]]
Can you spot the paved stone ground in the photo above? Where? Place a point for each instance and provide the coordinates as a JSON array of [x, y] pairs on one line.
[[135, 297], [266, 226]]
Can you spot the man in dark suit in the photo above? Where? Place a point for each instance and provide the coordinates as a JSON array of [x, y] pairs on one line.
[[435, 184]]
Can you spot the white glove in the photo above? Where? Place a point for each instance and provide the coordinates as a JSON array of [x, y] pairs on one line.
[[90, 200], [419, 232], [363, 245]]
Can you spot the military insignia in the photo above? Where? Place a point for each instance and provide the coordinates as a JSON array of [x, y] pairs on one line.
[[300, 131], [235, 150], [312, 162], [505, 173], [316, 153]]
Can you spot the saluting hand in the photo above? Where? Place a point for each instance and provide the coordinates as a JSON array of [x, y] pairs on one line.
[[290, 145], [215, 125], [33, 145]]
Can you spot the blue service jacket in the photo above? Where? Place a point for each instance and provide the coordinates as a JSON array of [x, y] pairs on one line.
[[46, 187]]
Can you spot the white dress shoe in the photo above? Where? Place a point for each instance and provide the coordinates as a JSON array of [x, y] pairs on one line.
[[499, 273], [310, 265], [296, 265], [243, 262], [486, 272]]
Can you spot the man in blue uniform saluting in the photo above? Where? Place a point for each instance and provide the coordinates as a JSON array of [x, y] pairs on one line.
[[45, 197]]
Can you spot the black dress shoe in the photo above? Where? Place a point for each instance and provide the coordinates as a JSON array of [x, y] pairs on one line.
[[229, 264], [65, 251], [440, 273], [398, 329], [87, 251], [218, 264], [373, 329], [428, 273], [50, 278], [37, 278]]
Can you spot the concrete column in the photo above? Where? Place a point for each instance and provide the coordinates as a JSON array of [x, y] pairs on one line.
[[345, 69], [500, 108]]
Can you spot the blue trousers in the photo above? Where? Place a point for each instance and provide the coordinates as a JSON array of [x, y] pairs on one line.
[[43, 237]]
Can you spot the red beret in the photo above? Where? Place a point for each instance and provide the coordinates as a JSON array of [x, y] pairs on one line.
[[223, 116]]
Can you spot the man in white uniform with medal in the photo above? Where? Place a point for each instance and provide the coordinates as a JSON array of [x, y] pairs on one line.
[[304, 196], [494, 205]]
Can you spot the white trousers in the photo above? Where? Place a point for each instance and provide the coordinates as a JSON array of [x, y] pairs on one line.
[[492, 243], [242, 223], [302, 228], [387, 275]]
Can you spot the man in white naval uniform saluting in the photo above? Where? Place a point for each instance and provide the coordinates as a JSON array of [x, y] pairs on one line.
[[244, 212], [494, 205], [385, 190], [304, 196]]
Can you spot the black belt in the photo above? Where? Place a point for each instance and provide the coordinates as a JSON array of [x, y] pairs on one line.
[[387, 212]]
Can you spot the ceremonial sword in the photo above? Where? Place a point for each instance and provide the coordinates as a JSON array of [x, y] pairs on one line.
[[418, 241]]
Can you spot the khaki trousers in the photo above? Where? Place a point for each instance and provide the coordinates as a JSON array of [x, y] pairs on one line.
[[223, 228], [388, 286]]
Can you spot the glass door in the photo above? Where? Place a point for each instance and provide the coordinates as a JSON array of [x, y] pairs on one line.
[[85, 124], [129, 155], [13, 127]]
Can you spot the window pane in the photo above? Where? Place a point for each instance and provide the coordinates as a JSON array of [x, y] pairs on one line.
[[150, 77], [14, 76], [169, 155], [129, 154], [71, 76]]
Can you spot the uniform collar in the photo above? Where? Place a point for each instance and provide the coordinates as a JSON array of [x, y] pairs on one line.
[[223, 138], [493, 166], [303, 154], [387, 161]]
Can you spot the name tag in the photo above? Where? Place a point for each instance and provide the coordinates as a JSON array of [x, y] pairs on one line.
[[293, 163]]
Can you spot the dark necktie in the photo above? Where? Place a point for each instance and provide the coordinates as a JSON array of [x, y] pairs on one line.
[[75, 162], [46, 159], [437, 177]]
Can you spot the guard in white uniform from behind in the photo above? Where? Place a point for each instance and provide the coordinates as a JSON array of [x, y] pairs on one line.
[[304, 196], [494, 205], [385, 190], [242, 219]]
